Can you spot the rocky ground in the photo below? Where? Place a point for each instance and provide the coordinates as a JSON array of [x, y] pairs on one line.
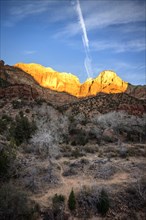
[[120, 173]]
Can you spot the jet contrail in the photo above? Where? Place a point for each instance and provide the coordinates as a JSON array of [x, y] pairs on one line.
[[82, 23], [85, 40], [87, 64]]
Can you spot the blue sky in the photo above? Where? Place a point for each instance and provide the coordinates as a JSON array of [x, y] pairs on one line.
[[49, 32]]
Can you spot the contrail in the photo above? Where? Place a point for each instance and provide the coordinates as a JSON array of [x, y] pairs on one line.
[[85, 40], [87, 64], [82, 23]]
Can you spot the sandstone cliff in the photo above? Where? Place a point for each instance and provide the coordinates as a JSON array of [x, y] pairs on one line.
[[107, 81], [14, 82], [38, 82], [49, 78]]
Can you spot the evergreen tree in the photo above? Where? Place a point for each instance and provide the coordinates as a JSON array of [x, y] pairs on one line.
[[103, 203], [72, 201]]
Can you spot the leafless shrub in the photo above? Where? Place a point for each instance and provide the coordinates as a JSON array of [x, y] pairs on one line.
[[123, 152], [91, 148], [105, 171], [90, 199], [122, 122], [140, 187], [70, 172]]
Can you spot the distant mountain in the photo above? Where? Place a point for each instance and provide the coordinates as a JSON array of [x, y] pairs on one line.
[[35, 82], [107, 81]]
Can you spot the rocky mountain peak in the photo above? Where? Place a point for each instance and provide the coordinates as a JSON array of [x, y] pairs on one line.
[[107, 81], [108, 75]]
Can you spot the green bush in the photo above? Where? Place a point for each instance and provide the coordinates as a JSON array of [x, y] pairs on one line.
[[72, 201], [58, 205], [4, 83], [21, 130], [103, 203], [79, 137], [14, 204], [7, 155], [17, 104], [40, 101], [3, 126], [5, 120], [82, 139], [71, 119], [77, 153], [58, 199], [18, 130], [4, 163], [91, 149]]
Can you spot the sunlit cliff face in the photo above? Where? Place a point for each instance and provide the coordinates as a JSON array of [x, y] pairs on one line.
[[107, 81]]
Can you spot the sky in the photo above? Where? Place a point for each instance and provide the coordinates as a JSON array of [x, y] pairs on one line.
[[82, 37]]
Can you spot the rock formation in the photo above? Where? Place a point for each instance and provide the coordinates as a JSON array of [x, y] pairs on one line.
[[38, 82], [49, 78], [107, 81], [14, 83]]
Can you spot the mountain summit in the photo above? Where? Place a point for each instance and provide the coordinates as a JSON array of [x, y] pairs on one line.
[[107, 81]]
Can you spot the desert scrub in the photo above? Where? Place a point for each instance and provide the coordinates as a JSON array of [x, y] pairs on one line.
[[91, 149], [65, 148], [4, 83], [103, 202], [18, 104], [58, 199], [21, 129], [58, 205], [87, 199], [105, 171], [84, 161], [70, 172], [77, 153], [14, 204], [17, 130], [79, 137], [92, 200], [40, 101], [5, 121], [7, 159]]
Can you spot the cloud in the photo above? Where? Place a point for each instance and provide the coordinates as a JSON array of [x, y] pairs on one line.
[[18, 10], [101, 14], [28, 9], [122, 12], [29, 52], [119, 46], [128, 66]]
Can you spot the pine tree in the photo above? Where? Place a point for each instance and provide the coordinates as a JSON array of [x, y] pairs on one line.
[[103, 203], [72, 201]]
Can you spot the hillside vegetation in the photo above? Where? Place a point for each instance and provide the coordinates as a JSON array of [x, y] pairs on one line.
[[46, 153], [75, 159]]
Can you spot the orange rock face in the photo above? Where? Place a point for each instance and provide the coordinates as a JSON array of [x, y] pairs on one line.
[[107, 81]]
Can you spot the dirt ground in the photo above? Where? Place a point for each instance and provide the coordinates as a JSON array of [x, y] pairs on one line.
[[114, 173]]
